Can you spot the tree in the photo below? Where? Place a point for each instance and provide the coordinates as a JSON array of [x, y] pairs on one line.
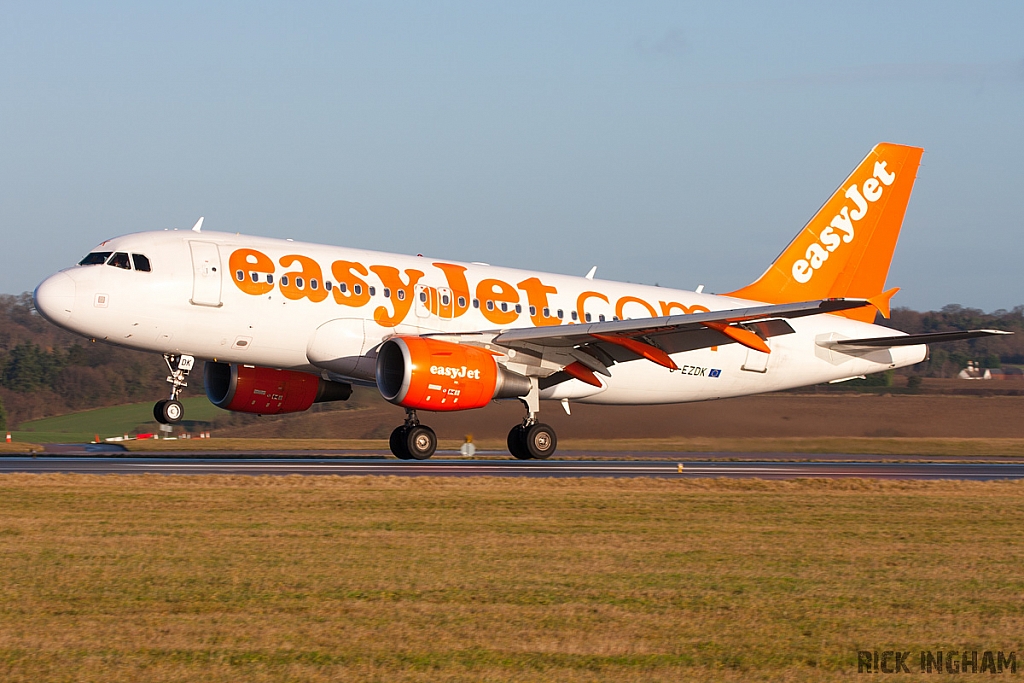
[[3, 416]]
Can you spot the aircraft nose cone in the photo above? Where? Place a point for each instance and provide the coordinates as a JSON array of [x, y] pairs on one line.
[[55, 297]]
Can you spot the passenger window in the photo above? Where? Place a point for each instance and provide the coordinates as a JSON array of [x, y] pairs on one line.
[[476, 303], [401, 295], [373, 291], [120, 260], [560, 315], [95, 258], [575, 316], [445, 300], [601, 317], [462, 302], [358, 289], [328, 285], [284, 280], [141, 263], [588, 317], [239, 275], [423, 297], [343, 287], [270, 279], [504, 307], [533, 310], [314, 284], [298, 282], [387, 293], [547, 312]]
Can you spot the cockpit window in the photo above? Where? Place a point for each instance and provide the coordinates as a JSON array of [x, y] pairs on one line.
[[120, 260], [95, 258], [141, 263]]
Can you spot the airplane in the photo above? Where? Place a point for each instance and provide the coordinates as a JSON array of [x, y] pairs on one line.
[[282, 325]]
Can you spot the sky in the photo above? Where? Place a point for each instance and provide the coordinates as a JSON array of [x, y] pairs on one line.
[[669, 143]]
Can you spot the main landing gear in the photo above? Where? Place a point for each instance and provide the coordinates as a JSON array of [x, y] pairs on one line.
[[532, 439], [170, 411], [527, 441], [413, 441]]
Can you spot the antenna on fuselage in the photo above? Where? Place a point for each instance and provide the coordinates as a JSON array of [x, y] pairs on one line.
[[590, 275], [198, 227]]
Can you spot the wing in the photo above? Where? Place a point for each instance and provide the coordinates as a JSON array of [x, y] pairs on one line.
[[912, 339], [563, 351]]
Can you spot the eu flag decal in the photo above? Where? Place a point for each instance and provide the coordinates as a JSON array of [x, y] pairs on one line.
[[714, 373]]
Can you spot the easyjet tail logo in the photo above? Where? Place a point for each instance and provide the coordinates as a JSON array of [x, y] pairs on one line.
[[841, 229]]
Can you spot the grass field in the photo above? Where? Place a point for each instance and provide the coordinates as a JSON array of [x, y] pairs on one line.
[[114, 421], [383, 579]]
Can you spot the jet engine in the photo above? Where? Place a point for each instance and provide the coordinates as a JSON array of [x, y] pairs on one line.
[[266, 391], [430, 374]]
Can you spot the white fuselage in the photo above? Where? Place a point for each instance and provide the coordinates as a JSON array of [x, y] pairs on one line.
[[193, 302]]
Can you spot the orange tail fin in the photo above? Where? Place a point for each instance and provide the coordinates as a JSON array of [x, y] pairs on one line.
[[846, 248]]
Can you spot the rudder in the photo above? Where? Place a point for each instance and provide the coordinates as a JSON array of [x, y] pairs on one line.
[[845, 250]]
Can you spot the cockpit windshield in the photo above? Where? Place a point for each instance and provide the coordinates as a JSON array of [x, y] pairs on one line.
[[120, 260], [141, 263], [95, 258]]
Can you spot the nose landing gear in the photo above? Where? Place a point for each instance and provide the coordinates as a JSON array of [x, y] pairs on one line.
[[170, 411], [413, 441]]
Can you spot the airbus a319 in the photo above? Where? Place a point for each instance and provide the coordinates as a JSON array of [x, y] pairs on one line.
[[283, 324]]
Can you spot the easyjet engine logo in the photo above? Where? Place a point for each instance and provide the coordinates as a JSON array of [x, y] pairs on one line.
[[841, 228], [454, 373]]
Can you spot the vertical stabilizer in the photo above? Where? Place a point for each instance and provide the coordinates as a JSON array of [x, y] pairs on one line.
[[846, 248]]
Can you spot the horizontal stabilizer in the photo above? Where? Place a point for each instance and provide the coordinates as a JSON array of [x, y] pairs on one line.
[[914, 339]]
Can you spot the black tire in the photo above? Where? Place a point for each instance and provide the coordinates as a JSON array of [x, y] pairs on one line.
[[397, 443], [158, 411], [517, 443], [541, 441], [172, 412], [421, 442]]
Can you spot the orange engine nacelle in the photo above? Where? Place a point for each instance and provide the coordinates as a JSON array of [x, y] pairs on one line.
[[428, 374], [266, 391]]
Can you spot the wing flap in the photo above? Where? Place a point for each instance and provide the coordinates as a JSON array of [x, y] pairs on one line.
[[572, 335]]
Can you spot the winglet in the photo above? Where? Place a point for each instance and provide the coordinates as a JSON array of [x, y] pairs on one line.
[[881, 301], [198, 227]]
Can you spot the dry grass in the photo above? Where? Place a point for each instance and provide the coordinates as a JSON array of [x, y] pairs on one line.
[[385, 579], [18, 447], [965, 447]]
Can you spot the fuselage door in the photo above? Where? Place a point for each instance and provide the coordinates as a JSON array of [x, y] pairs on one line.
[[445, 306], [206, 273], [423, 302]]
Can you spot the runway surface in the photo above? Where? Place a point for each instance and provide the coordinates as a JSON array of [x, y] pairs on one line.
[[681, 469]]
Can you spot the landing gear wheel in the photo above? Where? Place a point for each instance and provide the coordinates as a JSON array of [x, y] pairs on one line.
[[421, 442], [171, 412], [398, 443], [517, 443], [540, 441], [158, 411]]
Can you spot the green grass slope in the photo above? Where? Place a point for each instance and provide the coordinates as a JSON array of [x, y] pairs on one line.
[[113, 421]]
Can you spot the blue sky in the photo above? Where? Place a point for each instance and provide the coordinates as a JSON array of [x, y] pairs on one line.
[[672, 143]]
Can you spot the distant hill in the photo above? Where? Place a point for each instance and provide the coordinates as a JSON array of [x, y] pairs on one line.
[[46, 371]]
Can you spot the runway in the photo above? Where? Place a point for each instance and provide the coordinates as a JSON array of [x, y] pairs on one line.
[[681, 469]]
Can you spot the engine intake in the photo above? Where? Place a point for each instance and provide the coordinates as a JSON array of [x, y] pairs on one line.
[[430, 374], [266, 391]]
